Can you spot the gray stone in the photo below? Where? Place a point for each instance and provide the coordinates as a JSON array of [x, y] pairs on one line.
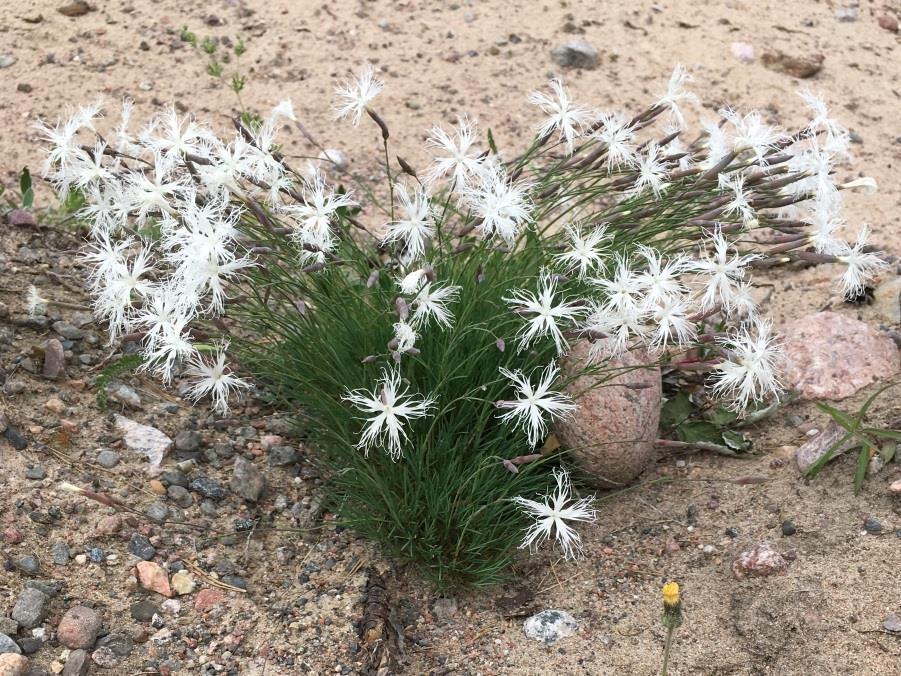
[[108, 458], [892, 622], [172, 478], [54, 359], [157, 511], [871, 525], [35, 473], [120, 644], [49, 587], [280, 456], [140, 546], [7, 645], [887, 301], [235, 581], [8, 626], [180, 496], [247, 481], [143, 611], [549, 626], [106, 658], [15, 438], [31, 608], [576, 54], [77, 664], [208, 488], [60, 553], [187, 440], [28, 564], [30, 645], [445, 608], [68, 331], [123, 394]]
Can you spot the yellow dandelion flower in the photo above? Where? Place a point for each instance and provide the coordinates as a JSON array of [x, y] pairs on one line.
[[671, 594]]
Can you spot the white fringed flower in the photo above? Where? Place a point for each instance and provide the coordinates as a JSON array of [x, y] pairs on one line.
[[533, 403], [417, 227], [392, 408], [213, 378], [722, 272], [618, 138], [552, 514], [660, 281], [862, 265], [355, 95], [584, 254], [404, 337], [544, 312], [749, 373], [739, 203], [431, 303], [568, 120], [651, 170], [315, 216], [459, 157], [675, 95], [35, 303], [504, 208]]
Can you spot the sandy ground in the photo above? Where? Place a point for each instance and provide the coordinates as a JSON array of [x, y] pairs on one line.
[[440, 59]]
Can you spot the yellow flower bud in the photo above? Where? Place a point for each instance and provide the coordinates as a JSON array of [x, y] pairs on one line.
[[671, 594]]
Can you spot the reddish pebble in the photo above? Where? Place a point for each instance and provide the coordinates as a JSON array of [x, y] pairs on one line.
[[79, 627], [13, 536], [152, 576], [157, 487], [110, 525], [889, 23], [208, 598], [761, 561]]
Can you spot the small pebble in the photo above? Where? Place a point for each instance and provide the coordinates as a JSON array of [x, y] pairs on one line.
[[788, 528], [108, 459], [872, 525]]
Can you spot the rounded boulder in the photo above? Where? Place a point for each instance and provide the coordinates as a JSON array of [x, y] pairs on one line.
[[611, 435]]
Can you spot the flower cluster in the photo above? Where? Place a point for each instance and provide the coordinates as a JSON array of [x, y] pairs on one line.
[[393, 333]]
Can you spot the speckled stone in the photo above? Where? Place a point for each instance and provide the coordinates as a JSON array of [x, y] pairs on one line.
[[612, 433], [829, 355], [79, 627]]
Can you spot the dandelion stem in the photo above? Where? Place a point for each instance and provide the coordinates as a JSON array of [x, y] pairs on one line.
[[666, 649]]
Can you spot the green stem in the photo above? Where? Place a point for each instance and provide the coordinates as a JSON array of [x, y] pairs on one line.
[[666, 649]]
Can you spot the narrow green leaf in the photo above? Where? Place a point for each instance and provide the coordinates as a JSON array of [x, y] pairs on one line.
[[863, 461], [840, 417]]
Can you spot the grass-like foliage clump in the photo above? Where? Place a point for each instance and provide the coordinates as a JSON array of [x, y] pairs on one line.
[[419, 330]]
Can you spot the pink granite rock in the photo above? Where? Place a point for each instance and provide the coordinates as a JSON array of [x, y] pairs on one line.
[[13, 665], [152, 576], [208, 598], [79, 627], [761, 561], [611, 435], [832, 356]]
